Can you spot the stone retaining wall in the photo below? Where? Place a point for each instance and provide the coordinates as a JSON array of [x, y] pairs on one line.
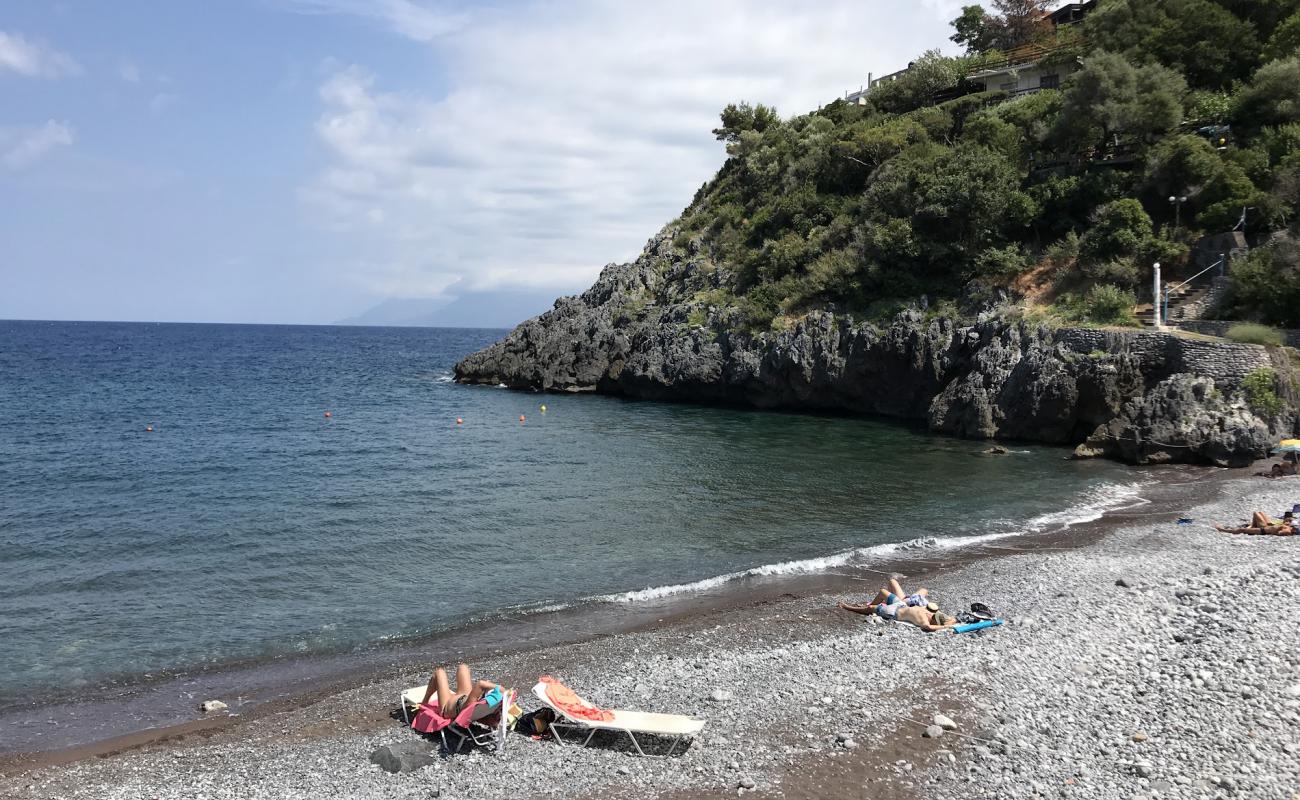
[[1224, 362], [1218, 327]]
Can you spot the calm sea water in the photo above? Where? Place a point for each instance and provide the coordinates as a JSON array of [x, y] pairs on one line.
[[249, 525]]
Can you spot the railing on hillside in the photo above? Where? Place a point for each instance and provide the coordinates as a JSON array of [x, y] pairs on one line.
[[1030, 53]]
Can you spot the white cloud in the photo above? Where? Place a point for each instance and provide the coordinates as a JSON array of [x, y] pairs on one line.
[[128, 72], [34, 59], [569, 134], [404, 17], [21, 147]]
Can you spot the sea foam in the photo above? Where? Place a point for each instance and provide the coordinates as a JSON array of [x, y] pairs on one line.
[[1092, 505]]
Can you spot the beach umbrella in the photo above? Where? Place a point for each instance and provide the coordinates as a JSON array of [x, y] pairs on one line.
[[1288, 446]]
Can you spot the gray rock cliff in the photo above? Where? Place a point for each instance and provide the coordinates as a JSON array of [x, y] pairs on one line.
[[646, 330]]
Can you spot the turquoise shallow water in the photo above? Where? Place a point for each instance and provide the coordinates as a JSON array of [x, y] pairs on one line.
[[247, 525]]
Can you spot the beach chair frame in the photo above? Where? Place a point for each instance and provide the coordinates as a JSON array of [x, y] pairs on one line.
[[565, 723], [558, 728], [478, 733]]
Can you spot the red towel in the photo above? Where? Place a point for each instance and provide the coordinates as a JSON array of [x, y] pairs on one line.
[[430, 718], [573, 706]]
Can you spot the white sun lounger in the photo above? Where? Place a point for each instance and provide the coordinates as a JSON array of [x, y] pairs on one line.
[[669, 726], [478, 733]]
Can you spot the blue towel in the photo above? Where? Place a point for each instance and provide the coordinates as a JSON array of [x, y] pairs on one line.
[[977, 626]]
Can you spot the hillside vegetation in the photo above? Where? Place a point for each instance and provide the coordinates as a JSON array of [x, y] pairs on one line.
[[936, 189]]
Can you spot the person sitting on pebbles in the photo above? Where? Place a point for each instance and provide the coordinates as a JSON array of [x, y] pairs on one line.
[[1261, 525], [892, 603]]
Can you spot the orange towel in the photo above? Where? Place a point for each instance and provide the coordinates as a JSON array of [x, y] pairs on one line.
[[573, 706]]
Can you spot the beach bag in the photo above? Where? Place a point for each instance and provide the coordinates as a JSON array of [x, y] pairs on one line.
[[536, 723]]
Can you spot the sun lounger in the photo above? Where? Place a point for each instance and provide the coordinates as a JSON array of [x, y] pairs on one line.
[[468, 726], [669, 726]]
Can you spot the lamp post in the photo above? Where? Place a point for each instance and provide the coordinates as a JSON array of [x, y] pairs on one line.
[[1155, 298], [1177, 203]]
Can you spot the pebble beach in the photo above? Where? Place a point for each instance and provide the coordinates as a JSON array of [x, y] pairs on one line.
[[1159, 660]]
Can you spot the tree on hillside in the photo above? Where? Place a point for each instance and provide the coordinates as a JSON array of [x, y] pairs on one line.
[[974, 29], [1265, 15], [739, 118], [1021, 21], [1209, 45], [1016, 22], [1285, 40], [1273, 96], [1110, 97], [915, 88]]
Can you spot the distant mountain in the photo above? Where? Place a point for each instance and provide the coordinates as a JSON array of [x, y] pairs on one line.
[[481, 309]]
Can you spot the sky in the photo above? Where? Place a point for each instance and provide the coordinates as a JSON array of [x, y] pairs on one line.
[[302, 161]]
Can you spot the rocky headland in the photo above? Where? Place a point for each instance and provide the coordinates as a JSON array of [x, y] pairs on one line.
[[647, 330]]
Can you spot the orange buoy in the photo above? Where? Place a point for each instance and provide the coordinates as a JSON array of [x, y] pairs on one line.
[[460, 421], [148, 429], [328, 415], [521, 417]]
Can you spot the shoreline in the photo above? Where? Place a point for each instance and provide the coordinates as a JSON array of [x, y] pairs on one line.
[[519, 637]]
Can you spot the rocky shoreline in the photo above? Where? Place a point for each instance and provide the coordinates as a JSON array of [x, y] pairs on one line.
[[1159, 661], [647, 330]]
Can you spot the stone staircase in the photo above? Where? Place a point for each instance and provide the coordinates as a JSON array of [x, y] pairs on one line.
[[1179, 301]]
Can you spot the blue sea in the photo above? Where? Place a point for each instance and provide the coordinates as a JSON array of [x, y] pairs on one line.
[[179, 497]]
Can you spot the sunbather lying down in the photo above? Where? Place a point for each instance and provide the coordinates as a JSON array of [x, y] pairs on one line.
[[1261, 525], [1280, 470], [467, 690], [892, 603]]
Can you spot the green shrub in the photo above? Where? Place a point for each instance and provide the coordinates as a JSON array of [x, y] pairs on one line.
[[1108, 304], [1250, 333], [1261, 392]]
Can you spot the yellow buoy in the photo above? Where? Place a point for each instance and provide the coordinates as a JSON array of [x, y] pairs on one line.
[[148, 429], [543, 408]]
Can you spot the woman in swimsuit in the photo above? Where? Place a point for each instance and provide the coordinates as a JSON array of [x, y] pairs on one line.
[[467, 691], [1261, 525]]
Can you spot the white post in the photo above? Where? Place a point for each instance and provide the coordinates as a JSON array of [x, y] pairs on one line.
[[1155, 294]]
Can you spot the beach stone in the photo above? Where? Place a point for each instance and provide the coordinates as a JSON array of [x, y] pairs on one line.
[[1123, 583], [720, 696], [403, 756], [745, 782], [1144, 769], [945, 722], [1139, 737], [933, 732], [209, 706]]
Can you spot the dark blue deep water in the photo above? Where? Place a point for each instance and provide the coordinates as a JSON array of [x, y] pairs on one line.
[[248, 525]]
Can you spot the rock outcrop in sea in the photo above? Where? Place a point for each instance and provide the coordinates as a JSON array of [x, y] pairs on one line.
[[648, 330]]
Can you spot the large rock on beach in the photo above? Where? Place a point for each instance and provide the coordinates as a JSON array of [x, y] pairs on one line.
[[404, 756], [643, 331]]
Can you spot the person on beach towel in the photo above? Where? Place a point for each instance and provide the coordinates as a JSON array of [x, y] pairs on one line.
[[1261, 525], [889, 599], [916, 609], [467, 693]]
